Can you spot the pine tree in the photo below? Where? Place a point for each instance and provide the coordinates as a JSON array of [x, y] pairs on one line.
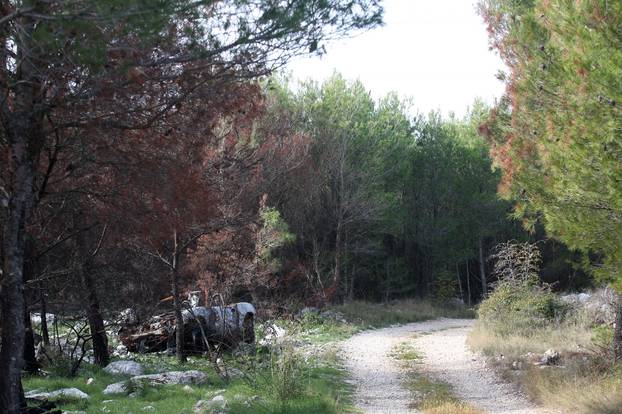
[[556, 134]]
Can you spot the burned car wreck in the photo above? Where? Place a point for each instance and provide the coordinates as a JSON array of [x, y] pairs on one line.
[[203, 327]]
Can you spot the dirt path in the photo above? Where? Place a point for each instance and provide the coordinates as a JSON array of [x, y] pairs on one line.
[[378, 377]]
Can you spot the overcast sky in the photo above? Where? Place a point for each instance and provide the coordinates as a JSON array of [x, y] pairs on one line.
[[435, 51]]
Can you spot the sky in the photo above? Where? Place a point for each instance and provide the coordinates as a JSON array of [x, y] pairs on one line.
[[433, 51]]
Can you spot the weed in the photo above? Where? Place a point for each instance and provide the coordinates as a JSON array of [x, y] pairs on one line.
[[583, 383], [428, 395], [376, 315], [452, 408]]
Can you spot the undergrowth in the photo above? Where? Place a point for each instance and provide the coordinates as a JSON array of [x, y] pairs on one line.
[[283, 380], [516, 328], [377, 315]]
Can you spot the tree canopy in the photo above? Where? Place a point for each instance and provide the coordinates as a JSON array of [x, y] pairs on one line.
[[556, 134]]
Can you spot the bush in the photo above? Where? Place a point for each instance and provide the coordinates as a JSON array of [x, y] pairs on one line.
[[60, 366], [520, 307], [445, 288], [287, 376], [520, 303]]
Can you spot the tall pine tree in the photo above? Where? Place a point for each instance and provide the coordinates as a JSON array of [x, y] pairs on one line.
[[556, 134]]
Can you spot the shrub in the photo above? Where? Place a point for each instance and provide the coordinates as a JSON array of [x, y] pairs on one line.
[[445, 288], [452, 408], [520, 303], [287, 376], [520, 308], [60, 366]]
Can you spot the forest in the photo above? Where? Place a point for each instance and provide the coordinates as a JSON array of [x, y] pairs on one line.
[[155, 150]]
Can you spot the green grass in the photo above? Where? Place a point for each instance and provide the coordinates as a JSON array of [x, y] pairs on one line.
[[428, 395], [405, 352], [305, 385], [317, 330], [377, 315], [365, 315], [323, 389]]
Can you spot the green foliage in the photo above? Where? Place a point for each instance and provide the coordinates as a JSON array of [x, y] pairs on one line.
[[312, 387], [602, 336], [428, 395], [287, 376], [413, 197], [450, 200], [520, 303], [376, 315], [445, 287], [60, 366], [557, 135], [522, 306], [83, 31], [274, 233], [317, 329]]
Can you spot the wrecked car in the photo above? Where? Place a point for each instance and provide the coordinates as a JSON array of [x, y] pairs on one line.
[[203, 327]]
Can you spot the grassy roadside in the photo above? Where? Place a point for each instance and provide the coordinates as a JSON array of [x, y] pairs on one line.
[[299, 376], [376, 315], [583, 380], [430, 396], [561, 355]]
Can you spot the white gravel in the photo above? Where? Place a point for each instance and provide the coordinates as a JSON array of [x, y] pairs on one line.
[[379, 379]]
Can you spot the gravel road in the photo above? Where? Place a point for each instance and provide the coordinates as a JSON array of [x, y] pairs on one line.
[[378, 377]]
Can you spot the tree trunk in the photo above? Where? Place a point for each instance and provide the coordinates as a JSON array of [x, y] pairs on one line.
[[30, 361], [468, 283], [617, 337], [23, 128], [93, 313], [459, 282], [334, 289], [45, 335], [482, 270], [13, 307], [96, 321], [351, 286], [179, 319]]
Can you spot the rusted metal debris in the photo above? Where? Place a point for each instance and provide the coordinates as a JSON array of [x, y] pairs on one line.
[[228, 325]]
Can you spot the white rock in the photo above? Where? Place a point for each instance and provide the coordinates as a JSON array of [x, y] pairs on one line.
[[90, 381], [275, 335], [124, 368], [128, 316], [69, 393], [234, 373], [120, 350], [165, 378], [213, 406], [308, 310], [174, 377], [550, 357], [116, 388], [35, 318]]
